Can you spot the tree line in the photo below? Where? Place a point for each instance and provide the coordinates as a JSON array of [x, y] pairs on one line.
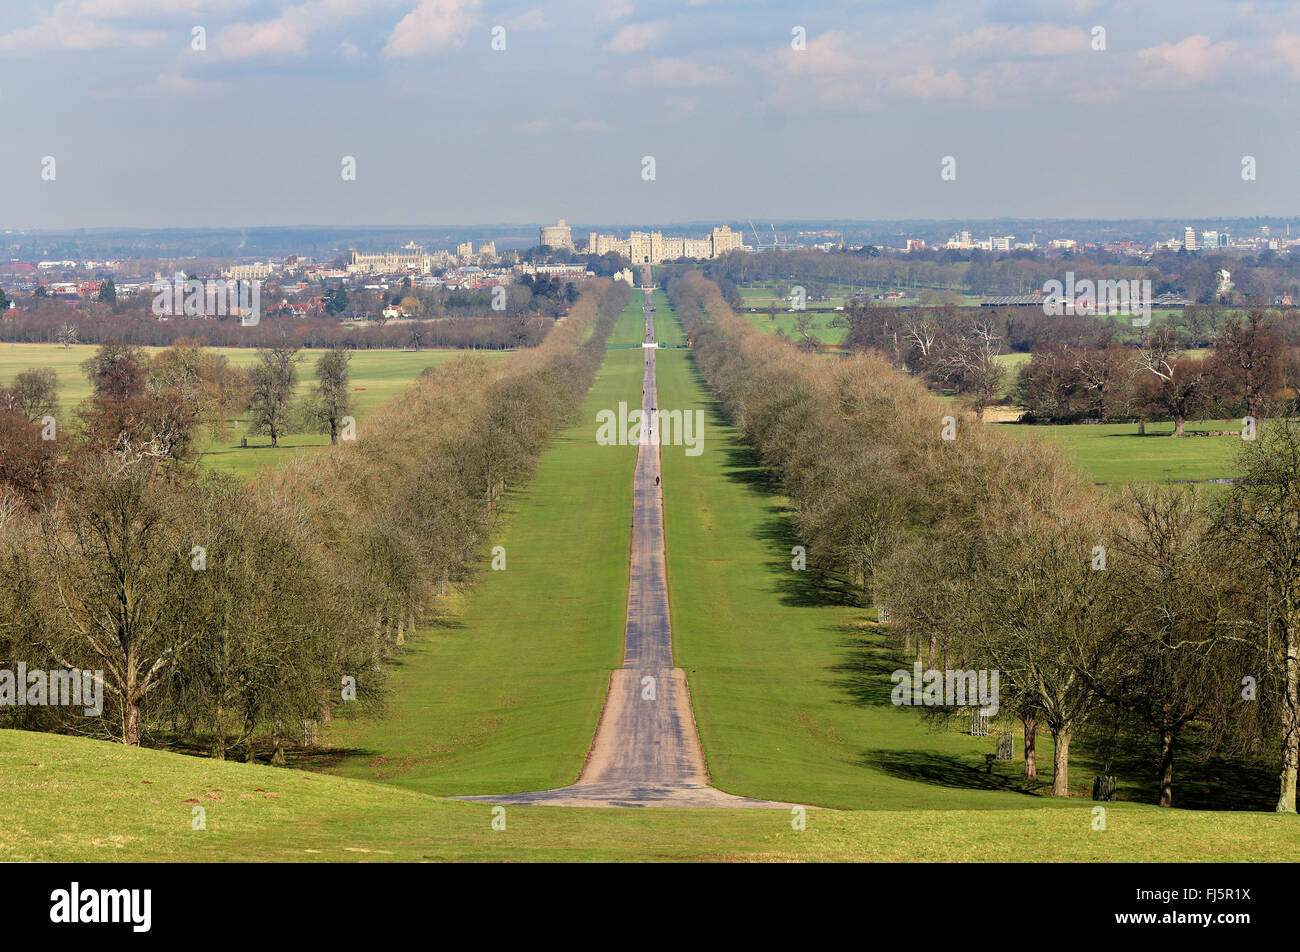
[[1086, 368], [1258, 278], [59, 322], [232, 616], [1156, 613]]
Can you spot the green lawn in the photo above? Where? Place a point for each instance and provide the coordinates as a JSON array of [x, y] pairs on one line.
[[1115, 453], [69, 799], [377, 377], [785, 321], [506, 696]]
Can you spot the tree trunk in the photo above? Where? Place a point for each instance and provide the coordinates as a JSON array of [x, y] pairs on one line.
[[131, 729], [1031, 751], [1167, 738], [277, 743], [1179, 422], [1290, 721], [1060, 763]]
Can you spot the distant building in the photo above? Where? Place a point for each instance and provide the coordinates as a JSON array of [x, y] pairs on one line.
[[558, 235], [1189, 238], [411, 257], [249, 272], [651, 247]]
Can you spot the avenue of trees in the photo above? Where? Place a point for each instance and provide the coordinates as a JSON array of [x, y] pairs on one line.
[[231, 616], [1157, 614]]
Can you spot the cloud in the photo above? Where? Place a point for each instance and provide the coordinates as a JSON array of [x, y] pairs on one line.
[[1036, 39], [678, 72], [432, 26], [534, 19], [72, 26], [285, 35], [591, 125], [534, 126], [831, 52], [615, 10], [927, 83], [1287, 46], [635, 38], [1192, 58]]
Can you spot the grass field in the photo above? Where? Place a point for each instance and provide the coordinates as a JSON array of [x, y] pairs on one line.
[[69, 799], [761, 294], [377, 377], [1115, 453], [819, 325]]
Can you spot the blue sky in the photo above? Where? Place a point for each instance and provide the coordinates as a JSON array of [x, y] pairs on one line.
[[147, 131]]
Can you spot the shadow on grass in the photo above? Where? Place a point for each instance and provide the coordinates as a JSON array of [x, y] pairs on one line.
[[1203, 780], [924, 767], [297, 756]]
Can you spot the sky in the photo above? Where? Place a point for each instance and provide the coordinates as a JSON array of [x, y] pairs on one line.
[[240, 113]]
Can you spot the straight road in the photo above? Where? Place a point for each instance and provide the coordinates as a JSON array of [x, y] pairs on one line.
[[646, 751]]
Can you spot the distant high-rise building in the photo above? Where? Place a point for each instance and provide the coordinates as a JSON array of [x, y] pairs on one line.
[[1189, 238], [1210, 241]]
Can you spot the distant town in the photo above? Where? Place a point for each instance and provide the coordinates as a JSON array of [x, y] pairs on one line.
[[301, 285]]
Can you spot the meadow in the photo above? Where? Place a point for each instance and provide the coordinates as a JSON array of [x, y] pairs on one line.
[[377, 377]]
